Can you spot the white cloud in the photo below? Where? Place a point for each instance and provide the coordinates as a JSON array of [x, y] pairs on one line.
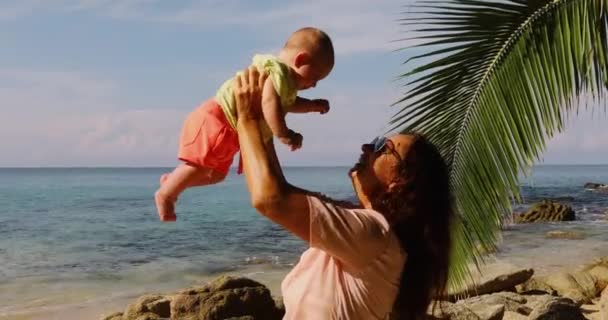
[[584, 140], [335, 138], [13, 9], [355, 25], [26, 90], [60, 118], [134, 138], [59, 133], [57, 118]]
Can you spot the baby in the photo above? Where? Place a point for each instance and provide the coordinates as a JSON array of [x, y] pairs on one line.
[[209, 140]]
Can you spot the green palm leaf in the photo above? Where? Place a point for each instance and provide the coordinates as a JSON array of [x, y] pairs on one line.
[[501, 80]]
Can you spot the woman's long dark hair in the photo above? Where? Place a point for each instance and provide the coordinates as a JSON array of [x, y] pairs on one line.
[[421, 210]]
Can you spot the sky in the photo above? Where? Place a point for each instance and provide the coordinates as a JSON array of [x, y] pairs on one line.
[[109, 82]]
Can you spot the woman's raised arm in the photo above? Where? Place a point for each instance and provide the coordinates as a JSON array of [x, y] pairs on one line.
[[271, 195]]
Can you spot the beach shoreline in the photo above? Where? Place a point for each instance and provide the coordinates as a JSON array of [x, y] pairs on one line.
[[103, 305], [271, 276]]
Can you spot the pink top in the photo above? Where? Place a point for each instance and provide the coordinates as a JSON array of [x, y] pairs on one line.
[[351, 270]]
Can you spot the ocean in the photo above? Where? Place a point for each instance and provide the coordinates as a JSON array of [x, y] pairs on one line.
[[76, 243]]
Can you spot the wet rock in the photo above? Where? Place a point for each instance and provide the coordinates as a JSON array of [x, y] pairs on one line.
[[546, 211], [562, 199], [567, 235], [596, 187], [593, 185]]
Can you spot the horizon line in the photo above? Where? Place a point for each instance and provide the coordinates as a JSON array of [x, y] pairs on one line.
[[285, 166]]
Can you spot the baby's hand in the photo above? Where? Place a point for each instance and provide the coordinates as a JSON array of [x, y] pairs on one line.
[[320, 105], [293, 140], [296, 142]]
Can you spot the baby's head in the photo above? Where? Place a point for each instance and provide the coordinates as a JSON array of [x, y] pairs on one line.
[[310, 54]]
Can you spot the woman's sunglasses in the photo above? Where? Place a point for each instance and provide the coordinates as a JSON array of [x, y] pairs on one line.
[[381, 143]]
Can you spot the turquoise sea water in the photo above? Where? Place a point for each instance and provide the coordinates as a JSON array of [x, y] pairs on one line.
[[69, 237]]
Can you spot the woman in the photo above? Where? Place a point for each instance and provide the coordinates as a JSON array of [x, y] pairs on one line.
[[385, 258]]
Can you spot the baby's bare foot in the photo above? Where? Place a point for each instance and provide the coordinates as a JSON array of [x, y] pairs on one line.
[[165, 206], [164, 178]]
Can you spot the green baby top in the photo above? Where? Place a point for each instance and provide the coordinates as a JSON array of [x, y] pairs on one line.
[[282, 80]]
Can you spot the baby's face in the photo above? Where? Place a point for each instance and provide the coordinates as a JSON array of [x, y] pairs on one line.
[[307, 75]]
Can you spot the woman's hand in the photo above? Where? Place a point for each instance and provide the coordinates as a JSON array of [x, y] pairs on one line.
[[247, 87]]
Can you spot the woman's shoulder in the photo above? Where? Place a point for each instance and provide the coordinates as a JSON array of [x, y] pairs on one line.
[[345, 204], [374, 219], [357, 236]]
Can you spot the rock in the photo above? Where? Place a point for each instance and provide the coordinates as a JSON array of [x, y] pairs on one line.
[[591, 311], [114, 316], [604, 304], [513, 306], [149, 307], [280, 306], [505, 282], [597, 187], [562, 199], [593, 185], [510, 300], [489, 312], [578, 286], [453, 311], [559, 234], [535, 286], [224, 298], [514, 316], [544, 211], [557, 309], [599, 270]]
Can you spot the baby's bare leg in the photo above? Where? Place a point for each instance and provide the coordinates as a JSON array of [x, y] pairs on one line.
[[173, 184]]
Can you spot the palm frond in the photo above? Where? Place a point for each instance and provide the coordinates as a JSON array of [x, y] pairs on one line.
[[504, 77]]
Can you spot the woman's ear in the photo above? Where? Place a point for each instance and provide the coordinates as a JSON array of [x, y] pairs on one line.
[[301, 59]]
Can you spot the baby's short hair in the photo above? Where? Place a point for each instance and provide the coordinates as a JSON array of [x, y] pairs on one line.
[[315, 41]]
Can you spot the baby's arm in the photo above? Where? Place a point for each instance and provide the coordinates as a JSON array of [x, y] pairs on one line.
[[274, 116], [303, 105]]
